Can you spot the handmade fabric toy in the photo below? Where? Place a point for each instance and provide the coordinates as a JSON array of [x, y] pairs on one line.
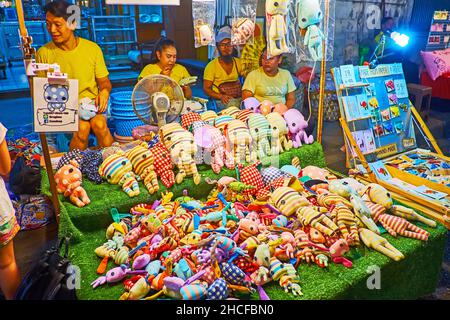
[[212, 144], [68, 181], [276, 12], [260, 132], [347, 223], [239, 141], [380, 244], [117, 169], [317, 173], [297, 125], [243, 115], [266, 107], [411, 215], [242, 31], [163, 164], [279, 137], [309, 16], [89, 165], [142, 160], [189, 118], [209, 117], [378, 194], [396, 225], [288, 201], [230, 111], [362, 212], [87, 109], [203, 34], [113, 149], [182, 149], [252, 104], [270, 174], [67, 158], [221, 121], [280, 108], [250, 175], [311, 217]]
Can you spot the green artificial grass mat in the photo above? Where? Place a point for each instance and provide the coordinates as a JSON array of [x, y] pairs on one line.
[[95, 216], [415, 276]]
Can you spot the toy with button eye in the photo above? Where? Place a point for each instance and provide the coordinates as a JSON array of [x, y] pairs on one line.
[[203, 33], [117, 169], [242, 31]]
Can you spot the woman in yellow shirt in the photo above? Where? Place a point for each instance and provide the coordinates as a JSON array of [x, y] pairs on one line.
[[224, 69], [164, 58]]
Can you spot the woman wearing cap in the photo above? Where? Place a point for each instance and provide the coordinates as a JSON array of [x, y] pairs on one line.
[[269, 82], [164, 57], [221, 77]]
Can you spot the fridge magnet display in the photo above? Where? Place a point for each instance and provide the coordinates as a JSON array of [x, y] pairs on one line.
[[386, 115], [373, 102], [376, 115], [388, 127], [363, 106], [390, 86], [378, 130], [395, 111], [398, 125], [392, 99]]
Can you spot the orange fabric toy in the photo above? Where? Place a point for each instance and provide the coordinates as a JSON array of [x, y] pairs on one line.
[[68, 181]]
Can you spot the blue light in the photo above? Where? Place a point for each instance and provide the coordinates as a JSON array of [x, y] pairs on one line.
[[401, 39]]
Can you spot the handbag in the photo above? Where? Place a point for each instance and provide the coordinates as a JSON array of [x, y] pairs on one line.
[[231, 88], [52, 277]]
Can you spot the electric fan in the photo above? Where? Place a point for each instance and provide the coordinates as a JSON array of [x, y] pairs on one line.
[[157, 100]]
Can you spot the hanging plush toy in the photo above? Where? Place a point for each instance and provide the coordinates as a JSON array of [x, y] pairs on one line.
[[309, 16], [117, 169], [276, 12], [242, 31], [68, 181], [142, 160]]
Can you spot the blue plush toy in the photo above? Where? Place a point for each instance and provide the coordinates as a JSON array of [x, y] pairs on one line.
[[88, 110], [309, 16]]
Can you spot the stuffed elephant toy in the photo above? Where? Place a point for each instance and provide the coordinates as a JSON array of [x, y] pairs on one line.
[[276, 12], [279, 138], [260, 131], [117, 169], [239, 141], [297, 124]]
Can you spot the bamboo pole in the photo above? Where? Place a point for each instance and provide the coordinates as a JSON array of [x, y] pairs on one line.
[[323, 72], [426, 130], [28, 55]]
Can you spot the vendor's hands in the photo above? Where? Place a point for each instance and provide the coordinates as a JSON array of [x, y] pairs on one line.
[[225, 99], [101, 101]]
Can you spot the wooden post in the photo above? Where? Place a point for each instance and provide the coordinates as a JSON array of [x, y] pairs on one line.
[[425, 129], [323, 73], [28, 55]]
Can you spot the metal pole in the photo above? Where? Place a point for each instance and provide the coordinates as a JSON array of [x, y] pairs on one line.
[[28, 53]]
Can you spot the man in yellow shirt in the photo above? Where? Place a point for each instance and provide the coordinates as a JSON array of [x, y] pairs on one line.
[[269, 82], [164, 58], [83, 60], [221, 70]]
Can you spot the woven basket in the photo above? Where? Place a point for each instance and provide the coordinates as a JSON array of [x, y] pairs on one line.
[[124, 127]]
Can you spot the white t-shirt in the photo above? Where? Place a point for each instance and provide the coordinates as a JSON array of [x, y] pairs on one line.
[[6, 208]]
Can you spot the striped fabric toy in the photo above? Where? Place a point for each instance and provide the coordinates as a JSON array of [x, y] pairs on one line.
[[209, 117], [221, 121], [142, 160], [230, 111], [193, 292], [117, 169], [329, 200], [243, 115], [240, 142], [277, 269], [311, 217], [260, 131], [347, 223], [288, 201]]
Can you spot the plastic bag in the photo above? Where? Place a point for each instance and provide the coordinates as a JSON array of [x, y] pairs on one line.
[[316, 23], [243, 22], [204, 16], [277, 30]]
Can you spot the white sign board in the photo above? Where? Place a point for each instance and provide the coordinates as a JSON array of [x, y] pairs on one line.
[[55, 106], [146, 2]]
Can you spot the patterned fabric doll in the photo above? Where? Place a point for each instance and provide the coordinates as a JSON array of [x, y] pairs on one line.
[[74, 154], [117, 169], [68, 181], [89, 165], [163, 164], [142, 160]]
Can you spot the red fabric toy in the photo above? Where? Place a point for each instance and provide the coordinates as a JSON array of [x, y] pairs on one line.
[[163, 164], [188, 119]]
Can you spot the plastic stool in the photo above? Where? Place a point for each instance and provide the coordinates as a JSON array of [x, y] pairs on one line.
[[420, 92]]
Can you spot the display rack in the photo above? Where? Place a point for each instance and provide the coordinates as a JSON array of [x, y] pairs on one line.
[[116, 35], [9, 36], [439, 36], [375, 162]]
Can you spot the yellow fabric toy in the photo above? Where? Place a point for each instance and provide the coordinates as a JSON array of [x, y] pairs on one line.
[[380, 244], [142, 160]]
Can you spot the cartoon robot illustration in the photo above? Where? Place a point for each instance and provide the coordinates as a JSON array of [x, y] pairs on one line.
[[57, 96]]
